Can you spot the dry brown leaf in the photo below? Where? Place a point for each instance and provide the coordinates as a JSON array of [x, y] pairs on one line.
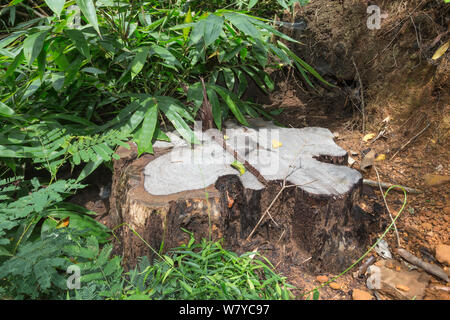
[[368, 160]]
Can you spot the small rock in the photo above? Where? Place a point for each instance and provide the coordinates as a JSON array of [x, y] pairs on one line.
[[402, 287], [336, 134], [335, 286], [390, 282], [443, 254], [351, 161], [427, 226], [383, 250], [322, 279], [361, 295]]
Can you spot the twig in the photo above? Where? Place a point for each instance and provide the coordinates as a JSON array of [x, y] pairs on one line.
[[284, 186], [219, 138], [387, 207], [417, 35], [432, 269], [362, 98], [410, 140], [39, 8], [362, 270], [384, 185]]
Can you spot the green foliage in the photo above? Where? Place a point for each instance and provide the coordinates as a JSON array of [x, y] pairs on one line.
[[32, 239], [34, 272], [101, 275], [71, 93], [38, 269], [261, 8], [205, 270]]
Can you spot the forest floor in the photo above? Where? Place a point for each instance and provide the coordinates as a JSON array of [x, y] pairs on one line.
[[386, 84]]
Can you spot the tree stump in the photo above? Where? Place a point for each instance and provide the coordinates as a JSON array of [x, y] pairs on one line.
[[195, 188]]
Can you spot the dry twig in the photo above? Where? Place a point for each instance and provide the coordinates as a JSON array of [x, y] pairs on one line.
[[387, 207], [362, 98], [266, 212], [384, 185], [432, 269], [410, 140]]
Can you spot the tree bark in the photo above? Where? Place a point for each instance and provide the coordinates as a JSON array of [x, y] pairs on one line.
[[325, 226]]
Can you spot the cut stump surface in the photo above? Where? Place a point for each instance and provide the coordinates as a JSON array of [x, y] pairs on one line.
[[197, 189]]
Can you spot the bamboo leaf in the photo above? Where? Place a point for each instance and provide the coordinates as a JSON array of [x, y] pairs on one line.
[[33, 45], [56, 5], [79, 41], [231, 104], [87, 7], [139, 60], [148, 129]]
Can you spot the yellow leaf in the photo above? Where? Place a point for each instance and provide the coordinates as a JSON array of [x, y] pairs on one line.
[[63, 223], [381, 157], [187, 19], [369, 136], [276, 144], [225, 137], [239, 166], [442, 49], [215, 53]]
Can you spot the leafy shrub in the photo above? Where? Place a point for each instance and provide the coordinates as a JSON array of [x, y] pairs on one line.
[[68, 85], [71, 92], [37, 228]]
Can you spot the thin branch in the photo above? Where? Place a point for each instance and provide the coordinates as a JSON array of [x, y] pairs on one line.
[[384, 185], [273, 202], [39, 9], [432, 269], [410, 140], [387, 207], [362, 98]]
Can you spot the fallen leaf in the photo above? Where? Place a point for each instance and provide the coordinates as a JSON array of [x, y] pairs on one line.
[[440, 52], [368, 160], [63, 223], [381, 157], [239, 166], [276, 144], [225, 137], [368, 137], [387, 119]]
